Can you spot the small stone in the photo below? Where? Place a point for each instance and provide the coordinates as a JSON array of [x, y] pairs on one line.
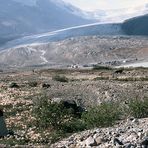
[[117, 135], [129, 145], [99, 140], [128, 127], [140, 135], [131, 118], [117, 142], [46, 85], [72, 146], [90, 141], [132, 137], [145, 142], [136, 121]]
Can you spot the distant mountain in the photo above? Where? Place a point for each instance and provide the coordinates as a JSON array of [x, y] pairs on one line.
[[99, 43], [20, 18], [58, 35], [136, 26], [27, 17], [118, 15]]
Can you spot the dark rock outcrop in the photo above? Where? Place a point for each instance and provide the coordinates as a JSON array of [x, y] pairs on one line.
[[3, 128], [71, 104], [136, 26]]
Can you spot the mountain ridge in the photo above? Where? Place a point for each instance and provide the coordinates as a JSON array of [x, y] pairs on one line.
[[18, 20], [136, 26]]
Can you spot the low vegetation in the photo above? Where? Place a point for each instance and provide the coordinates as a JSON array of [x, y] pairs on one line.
[[99, 67], [132, 79], [13, 85], [64, 120], [138, 108], [33, 84], [60, 78], [101, 78], [58, 118], [103, 115]]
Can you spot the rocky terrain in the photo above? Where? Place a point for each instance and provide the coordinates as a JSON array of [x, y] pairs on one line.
[[80, 51], [19, 90], [127, 134], [69, 82]]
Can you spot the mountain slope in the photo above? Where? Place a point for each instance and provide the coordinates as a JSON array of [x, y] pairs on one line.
[[19, 19], [136, 26], [78, 50], [84, 30]]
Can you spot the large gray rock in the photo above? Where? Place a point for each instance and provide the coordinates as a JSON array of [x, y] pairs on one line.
[[3, 128], [144, 143]]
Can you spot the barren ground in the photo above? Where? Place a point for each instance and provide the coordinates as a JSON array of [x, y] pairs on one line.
[[88, 87]]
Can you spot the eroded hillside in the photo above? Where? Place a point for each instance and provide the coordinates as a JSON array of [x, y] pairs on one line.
[[80, 51]]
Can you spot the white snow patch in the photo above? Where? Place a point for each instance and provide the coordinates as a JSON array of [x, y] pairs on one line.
[[43, 52], [30, 50], [140, 64]]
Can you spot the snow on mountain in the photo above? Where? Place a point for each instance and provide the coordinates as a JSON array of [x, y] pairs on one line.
[[77, 31], [27, 17]]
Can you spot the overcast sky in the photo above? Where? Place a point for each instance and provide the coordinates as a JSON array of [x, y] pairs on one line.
[[106, 4]]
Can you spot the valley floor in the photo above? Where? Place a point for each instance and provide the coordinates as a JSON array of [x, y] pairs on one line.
[[88, 87]]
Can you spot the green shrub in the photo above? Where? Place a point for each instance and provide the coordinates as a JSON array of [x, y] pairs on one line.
[[33, 84], [103, 115], [101, 78], [74, 125], [126, 79], [132, 79], [99, 67], [54, 115], [138, 108], [144, 79], [13, 85], [49, 114], [63, 121], [60, 78]]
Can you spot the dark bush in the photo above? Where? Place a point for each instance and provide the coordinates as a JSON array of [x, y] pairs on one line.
[[66, 118], [138, 108], [53, 114], [60, 78], [46, 85], [74, 125], [101, 78], [99, 67], [33, 84], [13, 85]]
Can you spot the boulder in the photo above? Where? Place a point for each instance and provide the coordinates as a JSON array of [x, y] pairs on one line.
[[46, 85], [3, 128], [117, 142], [71, 104], [13, 85], [90, 141], [119, 71], [144, 143]]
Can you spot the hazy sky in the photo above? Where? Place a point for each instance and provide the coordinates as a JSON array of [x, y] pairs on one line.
[[106, 4]]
